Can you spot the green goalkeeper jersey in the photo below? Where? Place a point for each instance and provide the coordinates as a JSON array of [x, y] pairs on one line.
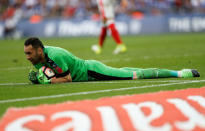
[[63, 62]]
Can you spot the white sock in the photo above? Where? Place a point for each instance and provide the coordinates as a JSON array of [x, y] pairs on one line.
[[179, 73]]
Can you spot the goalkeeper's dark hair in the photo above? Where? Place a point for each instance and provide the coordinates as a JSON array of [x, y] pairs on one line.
[[35, 42]]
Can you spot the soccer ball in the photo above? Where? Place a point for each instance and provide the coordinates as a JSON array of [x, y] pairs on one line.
[[48, 72]]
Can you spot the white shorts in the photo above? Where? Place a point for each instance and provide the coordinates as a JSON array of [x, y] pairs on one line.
[[106, 8]]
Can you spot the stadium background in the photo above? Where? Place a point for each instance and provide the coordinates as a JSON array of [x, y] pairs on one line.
[[65, 18], [175, 41]]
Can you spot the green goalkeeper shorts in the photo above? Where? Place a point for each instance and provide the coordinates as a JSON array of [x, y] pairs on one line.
[[99, 71]]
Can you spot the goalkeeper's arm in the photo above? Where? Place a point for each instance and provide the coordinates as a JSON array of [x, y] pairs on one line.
[[63, 79]]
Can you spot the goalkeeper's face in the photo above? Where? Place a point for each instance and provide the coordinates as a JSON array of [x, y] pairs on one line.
[[33, 55]]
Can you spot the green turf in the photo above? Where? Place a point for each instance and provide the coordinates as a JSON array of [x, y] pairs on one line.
[[173, 51]]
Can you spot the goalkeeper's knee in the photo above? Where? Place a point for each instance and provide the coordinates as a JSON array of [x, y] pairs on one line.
[[147, 73]]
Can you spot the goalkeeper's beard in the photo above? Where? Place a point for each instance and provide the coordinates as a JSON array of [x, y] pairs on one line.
[[37, 59]]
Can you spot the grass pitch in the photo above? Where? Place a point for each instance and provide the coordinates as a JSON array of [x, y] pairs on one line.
[[172, 51]]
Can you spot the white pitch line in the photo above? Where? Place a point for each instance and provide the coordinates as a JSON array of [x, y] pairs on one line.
[[101, 82], [94, 92], [16, 68], [13, 84], [137, 81]]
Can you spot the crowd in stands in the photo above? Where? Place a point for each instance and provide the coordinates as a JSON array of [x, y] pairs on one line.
[[12, 11], [86, 8]]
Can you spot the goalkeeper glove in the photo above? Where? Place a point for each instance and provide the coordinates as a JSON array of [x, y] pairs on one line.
[[42, 79], [32, 76]]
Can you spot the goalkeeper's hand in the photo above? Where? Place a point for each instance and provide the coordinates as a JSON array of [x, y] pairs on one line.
[[38, 77], [42, 79], [32, 76]]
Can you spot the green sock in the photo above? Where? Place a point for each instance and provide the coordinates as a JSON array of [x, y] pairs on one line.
[[174, 73], [155, 73]]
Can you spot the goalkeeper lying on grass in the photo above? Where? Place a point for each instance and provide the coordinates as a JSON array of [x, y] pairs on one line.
[[67, 67]]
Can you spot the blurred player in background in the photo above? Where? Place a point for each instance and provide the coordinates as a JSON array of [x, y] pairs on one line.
[[69, 68], [11, 18], [106, 9]]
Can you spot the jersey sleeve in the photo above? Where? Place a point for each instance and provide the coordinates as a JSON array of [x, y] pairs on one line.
[[61, 64]]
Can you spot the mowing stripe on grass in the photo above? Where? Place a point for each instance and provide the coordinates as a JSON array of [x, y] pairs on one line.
[[95, 92], [30, 67], [117, 60]]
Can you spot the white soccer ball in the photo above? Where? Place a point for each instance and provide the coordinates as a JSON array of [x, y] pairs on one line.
[[48, 72]]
